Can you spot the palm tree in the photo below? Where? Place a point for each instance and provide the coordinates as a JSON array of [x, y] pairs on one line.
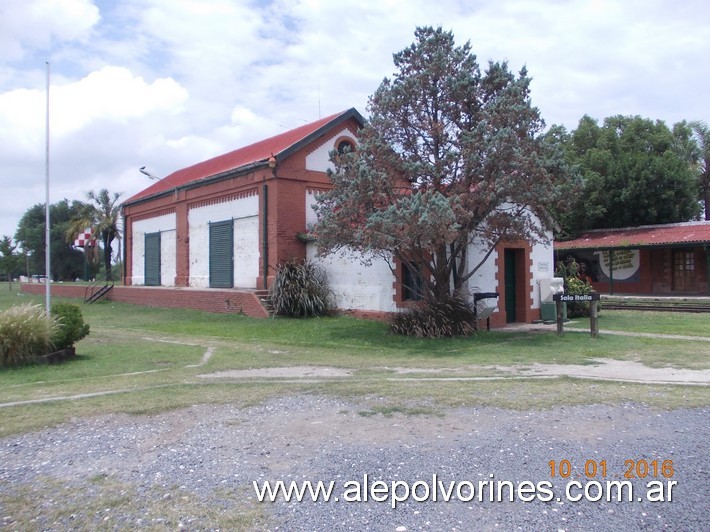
[[102, 216], [702, 137]]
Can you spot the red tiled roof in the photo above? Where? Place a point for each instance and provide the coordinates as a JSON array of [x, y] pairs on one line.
[[242, 157], [644, 236]]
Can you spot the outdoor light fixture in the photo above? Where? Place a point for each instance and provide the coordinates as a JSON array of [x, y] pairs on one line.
[[143, 171], [272, 161]]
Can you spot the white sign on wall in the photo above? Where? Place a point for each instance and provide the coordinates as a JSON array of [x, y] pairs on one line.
[[626, 263]]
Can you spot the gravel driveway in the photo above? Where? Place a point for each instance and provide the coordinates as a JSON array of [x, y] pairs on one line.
[[194, 468]]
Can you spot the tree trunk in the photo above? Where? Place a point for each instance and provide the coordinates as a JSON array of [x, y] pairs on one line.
[[442, 275], [707, 202], [107, 259]]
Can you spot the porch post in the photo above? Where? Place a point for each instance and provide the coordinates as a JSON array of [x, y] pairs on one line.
[[611, 271]]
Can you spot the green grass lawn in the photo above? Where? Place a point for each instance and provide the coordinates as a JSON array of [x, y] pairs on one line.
[[680, 323], [145, 357]]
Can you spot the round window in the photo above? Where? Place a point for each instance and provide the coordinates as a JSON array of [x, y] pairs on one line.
[[345, 146]]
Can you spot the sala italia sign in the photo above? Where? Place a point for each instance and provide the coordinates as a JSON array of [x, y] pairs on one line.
[[576, 298]]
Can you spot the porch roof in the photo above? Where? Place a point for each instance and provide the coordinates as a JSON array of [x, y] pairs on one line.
[[678, 234]]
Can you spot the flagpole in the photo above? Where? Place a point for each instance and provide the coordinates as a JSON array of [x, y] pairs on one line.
[[47, 249]]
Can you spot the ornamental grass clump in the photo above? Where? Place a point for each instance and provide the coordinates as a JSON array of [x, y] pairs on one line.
[[300, 290], [26, 332], [453, 316]]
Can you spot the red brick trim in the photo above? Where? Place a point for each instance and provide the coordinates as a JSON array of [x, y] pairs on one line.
[[155, 214], [351, 139], [398, 294], [313, 190], [224, 199], [373, 315]]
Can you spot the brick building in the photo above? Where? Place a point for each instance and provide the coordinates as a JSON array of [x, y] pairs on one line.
[[226, 223], [668, 259]]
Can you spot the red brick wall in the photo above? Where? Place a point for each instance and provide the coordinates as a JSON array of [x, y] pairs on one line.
[[219, 301], [287, 217], [182, 255], [656, 274]]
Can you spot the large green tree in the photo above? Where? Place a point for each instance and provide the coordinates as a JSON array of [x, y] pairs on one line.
[[102, 215], [66, 262], [635, 171], [451, 157], [10, 260]]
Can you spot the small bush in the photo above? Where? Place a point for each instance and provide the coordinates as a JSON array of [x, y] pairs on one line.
[[25, 333], [300, 290], [70, 325], [577, 286], [452, 317]]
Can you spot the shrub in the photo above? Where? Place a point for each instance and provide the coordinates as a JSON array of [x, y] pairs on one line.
[[577, 286], [25, 333], [300, 290], [452, 317], [70, 325]]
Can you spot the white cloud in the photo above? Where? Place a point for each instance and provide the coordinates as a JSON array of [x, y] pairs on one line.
[[31, 24], [111, 94], [114, 94], [167, 83]]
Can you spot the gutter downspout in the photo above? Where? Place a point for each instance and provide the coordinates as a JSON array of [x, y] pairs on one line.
[[265, 222], [265, 233], [124, 255]]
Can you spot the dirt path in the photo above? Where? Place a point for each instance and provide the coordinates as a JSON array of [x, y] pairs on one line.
[[601, 369]]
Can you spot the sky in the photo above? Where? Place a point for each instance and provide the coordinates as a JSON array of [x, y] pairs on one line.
[[168, 83]]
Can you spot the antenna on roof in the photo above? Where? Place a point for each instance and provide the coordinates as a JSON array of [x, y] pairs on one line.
[[318, 78]]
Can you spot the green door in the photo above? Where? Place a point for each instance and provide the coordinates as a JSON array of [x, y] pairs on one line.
[[152, 259], [510, 288], [222, 254]]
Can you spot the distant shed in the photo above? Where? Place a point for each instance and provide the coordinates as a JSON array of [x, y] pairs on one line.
[[668, 259]]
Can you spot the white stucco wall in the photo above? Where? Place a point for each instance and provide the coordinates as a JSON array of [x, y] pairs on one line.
[[165, 225], [371, 288], [311, 217], [484, 279], [244, 211], [542, 256], [246, 252], [319, 159], [354, 285]]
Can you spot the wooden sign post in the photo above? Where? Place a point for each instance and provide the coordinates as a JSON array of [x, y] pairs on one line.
[[593, 300]]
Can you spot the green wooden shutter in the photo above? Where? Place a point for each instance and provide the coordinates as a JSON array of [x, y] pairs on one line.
[[222, 254], [152, 259]]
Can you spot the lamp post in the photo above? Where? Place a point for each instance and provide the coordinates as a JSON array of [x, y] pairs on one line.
[[145, 172], [47, 248]]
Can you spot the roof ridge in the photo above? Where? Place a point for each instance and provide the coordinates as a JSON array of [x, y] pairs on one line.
[[251, 155]]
